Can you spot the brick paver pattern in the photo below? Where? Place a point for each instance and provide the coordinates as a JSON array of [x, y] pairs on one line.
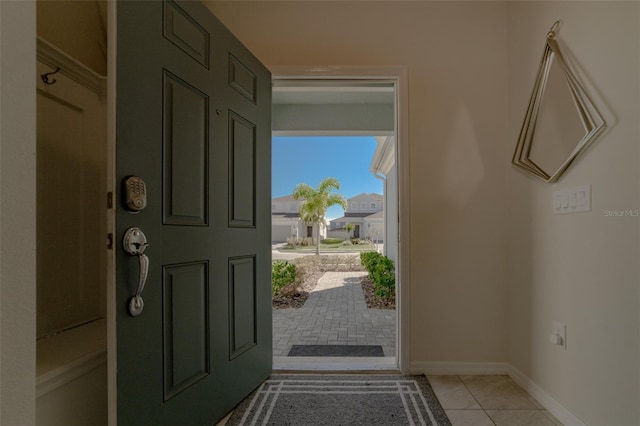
[[335, 314]]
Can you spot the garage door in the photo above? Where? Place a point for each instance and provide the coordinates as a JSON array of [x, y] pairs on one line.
[[280, 233]]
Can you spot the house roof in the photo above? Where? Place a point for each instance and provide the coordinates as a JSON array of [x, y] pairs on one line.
[[279, 215], [371, 196], [378, 215], [348, 215], [285, 198], [351, 216]]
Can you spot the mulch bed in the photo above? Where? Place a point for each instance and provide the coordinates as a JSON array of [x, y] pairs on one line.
[[309, 269], [373, 301]]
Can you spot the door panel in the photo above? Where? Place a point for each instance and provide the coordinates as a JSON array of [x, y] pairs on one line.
[[186, 144], [242, 162], [186, 326], [193, 121], [242, 79], [186, 33], [242, 304]]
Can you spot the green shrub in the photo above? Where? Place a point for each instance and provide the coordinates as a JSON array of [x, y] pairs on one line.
[[283, 273], [384, 277], [331, 241], [369, 258], [307, 241], [292, 241], [381, 271]]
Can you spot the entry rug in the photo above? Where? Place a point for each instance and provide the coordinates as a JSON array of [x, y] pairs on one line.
[[336, 350], [366, 400]]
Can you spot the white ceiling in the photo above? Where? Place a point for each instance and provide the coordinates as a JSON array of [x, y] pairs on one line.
[[332, 93]]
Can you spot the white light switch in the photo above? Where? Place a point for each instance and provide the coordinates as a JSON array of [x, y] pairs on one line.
[[572, 200], [559, 334]]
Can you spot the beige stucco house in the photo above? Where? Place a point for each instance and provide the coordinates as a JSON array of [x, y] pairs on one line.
[[366, 213], [286, 222]]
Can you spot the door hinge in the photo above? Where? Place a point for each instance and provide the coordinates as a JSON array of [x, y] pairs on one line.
[[109, 200], [109, 241]]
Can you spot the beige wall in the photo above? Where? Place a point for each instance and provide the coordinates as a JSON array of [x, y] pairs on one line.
[[17, 213], [581, 269], [456, 58], [491, 267], [78, 28]]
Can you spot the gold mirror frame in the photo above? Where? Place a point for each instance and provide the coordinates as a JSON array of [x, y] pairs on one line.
[[541, 104]]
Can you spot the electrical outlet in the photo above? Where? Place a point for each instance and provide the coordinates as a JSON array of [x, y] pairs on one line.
[[559, 334]]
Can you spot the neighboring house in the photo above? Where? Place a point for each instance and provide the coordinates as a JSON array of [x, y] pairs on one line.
[[366, 213], [286, 222], [383, 166]]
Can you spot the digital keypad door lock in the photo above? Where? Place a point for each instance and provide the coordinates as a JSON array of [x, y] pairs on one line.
[[134, 194]]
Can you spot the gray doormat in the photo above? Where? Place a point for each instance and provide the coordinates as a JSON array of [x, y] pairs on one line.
[[319, 399], [336, 350]]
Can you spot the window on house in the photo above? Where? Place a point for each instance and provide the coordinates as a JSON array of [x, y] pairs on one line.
[[373, 206]]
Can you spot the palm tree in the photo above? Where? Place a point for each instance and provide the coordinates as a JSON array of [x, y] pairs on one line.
[[348, 227], [317, 201]]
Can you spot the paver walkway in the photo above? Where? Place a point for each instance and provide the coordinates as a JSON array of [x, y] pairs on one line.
[[335, 314]]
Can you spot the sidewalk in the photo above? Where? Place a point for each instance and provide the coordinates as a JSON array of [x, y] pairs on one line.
[[335, 314]]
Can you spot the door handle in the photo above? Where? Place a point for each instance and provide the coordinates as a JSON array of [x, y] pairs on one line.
[[135, 243]]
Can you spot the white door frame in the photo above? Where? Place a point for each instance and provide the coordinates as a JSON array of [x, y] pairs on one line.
[[397, 74], [112, 366], [17, 212]]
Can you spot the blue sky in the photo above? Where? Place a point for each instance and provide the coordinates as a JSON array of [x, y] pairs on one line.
[[309, 159]]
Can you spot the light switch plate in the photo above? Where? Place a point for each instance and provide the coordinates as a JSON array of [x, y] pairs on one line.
[[572, 200], [559, 329]]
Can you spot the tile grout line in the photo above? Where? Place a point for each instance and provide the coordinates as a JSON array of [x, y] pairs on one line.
[[476, 400], [543, 410]]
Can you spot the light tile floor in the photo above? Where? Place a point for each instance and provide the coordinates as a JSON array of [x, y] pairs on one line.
[[490, 401]]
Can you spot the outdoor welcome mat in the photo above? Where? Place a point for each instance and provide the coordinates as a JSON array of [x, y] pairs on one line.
[[336, 350], [310, 400]]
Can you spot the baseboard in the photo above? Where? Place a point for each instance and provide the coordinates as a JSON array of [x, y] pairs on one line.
[[566, 417], [459, 368], [503, 368]]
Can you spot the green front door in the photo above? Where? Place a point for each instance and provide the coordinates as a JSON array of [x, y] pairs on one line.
[[193, 122]]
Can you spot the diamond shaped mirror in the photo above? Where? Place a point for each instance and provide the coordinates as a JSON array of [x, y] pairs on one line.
[[561, 120]]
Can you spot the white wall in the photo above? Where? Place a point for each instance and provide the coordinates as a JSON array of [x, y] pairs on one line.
[[582, 269], [456, 58], [17, 213], [78, 28]]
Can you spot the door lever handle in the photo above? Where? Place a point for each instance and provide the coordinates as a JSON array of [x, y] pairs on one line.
[[135, 243], [136, 304]]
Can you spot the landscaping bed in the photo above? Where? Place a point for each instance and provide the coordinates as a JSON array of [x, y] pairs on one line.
[[309, 269]]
